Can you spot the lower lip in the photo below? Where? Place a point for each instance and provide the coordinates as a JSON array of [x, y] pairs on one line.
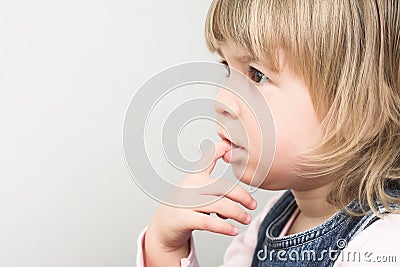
[[235, 154]]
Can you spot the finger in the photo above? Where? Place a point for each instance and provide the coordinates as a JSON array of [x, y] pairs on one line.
[[228, 189], [240, 195], [226, 208], [211, 155], [213, 224]]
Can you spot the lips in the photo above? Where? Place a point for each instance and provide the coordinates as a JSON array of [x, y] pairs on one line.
[[234, 154], [223, 136]]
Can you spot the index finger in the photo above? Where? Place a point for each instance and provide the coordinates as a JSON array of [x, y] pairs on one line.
[[209, 158]]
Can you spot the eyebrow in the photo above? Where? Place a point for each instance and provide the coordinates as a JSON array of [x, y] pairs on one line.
[[246, 58], [242, 58]]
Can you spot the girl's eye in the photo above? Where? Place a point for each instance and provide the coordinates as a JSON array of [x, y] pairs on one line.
[[254, 74], [228, 71], [257, 76]]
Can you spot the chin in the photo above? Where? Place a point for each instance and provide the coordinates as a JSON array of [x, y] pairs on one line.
[[248, 176], [264, 181]]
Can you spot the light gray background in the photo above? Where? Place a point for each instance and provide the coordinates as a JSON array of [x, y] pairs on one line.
[[68, 70]]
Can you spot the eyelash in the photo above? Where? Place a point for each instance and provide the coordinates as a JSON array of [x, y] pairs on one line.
[[251, 73], [224, 62]]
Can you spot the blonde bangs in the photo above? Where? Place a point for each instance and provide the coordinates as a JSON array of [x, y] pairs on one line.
[[238, 22]]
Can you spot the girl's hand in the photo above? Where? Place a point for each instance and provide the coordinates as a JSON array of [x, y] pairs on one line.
[[167, 237]]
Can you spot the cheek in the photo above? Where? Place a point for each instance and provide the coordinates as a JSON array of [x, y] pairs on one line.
[[296, 123], [296, 130]]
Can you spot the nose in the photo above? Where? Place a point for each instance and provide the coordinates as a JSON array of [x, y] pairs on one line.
[[227, 104]]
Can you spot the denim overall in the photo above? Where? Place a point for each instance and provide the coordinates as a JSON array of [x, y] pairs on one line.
[[319, 246]]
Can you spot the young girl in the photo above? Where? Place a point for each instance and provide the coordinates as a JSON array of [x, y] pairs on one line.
[[330, 73]]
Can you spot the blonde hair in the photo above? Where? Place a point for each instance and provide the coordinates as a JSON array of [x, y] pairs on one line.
[[348, 53]]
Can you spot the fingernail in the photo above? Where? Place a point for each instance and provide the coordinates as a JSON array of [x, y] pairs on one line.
[[254, 204], [235, 230], [248, 219]]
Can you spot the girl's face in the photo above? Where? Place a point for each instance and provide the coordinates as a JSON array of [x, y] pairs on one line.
[[296, 124]]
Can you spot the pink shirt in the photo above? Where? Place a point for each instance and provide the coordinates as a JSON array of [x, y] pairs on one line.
[[377, 245]]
